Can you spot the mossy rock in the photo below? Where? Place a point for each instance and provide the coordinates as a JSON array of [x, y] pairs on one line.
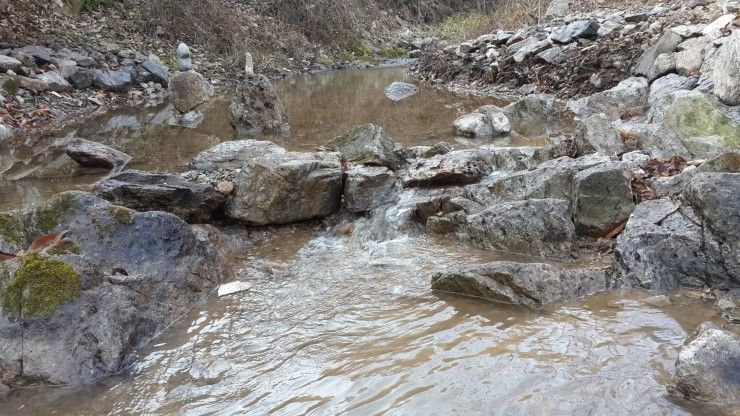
[[122, 215], [11, 229], [696, 117], [40, 286], [64, 247], [48, 218]]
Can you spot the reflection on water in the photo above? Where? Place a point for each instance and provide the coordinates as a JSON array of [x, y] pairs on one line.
[[346, 327]]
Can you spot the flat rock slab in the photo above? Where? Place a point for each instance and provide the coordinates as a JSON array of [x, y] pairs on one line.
[[458, 167], [529, 284], [97, 155], [399, 91]]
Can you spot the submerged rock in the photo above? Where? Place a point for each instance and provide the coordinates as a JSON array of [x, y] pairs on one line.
[[97, 155], [708, 367], [288, 187], [257, 109], [399, 91], [120, 278], [368, 145], [530, 284], [146, 191], [485, 122]]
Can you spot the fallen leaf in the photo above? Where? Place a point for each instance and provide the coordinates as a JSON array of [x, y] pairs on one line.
[[642, 190], [46, 241], [7, 256], [616, 229]]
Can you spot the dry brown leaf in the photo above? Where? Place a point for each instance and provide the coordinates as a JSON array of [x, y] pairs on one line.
[[665, 168], [642, 190], [46, 241], [616, 229], [7, 256]]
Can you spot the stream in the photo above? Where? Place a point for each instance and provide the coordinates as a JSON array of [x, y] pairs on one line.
[[346, 323]]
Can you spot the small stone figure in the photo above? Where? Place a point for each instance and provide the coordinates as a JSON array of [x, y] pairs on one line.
[[184, 59], [248, 64]]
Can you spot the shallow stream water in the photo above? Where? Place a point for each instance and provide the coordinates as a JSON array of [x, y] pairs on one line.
[[347, 324]]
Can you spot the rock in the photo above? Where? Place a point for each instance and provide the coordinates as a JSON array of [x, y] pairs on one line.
[[664, 64], [499, 122], [691, 56], [232, 288], [184, 58], [530, 115], [666, 44], [608, 27], [719, 24], [248, 64], [76, 57], [97, 155], [512, 159], [5, 133], [726, 71], [725, 305], [628, 97], [575, 30], [288, 187], [599, 135], [557, 8], [80, 78], [458, 167], [725, 163], [120, 279], [41, 54], [714, 196], [553, 55], [115, 81], [530, 284], [668, 84], [189, 89], [368, 145], [233, 155], [159, 72], [8, 63], [225, 188], [146, 191], [55, 81], [256, 109], [635, 159], [699, 121], [368, 187], [602, 198], [663, 247], [398, 91], [538, 227], [192, 119], [654, 139], [708, 366], [528, 47], [33, 84], [473, 125], [660, 301]]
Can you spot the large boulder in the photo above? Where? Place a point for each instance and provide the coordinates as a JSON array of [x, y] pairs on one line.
[[8, 63], [726, 70], [531, 115], [288, 187], [629, 97], [539, 227], [666, 44], [602, 198], [664, 246], [575, 30], [708, 367], [598, 134], [97, 155], [669, 84], [232, 155], [368, 187], [530, 284], [189, 89], [257, 109], [458, 167], [368, 145], [486, 121], [146, 191], [79, 310], [108, 80]]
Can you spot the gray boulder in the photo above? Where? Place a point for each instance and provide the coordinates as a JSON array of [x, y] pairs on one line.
[[602, 197], [530, 284], [598, 134], [575, 30], [120, 278], [666, 44], [531, 115], [146, 191], [458, 167], [726, 70], [257, 109], [473, 125], [725, 163], [55, 81], [8, 63], [399, 91], [557, 8], [188, 90], [160, 73], [513, 159], [691, 54], [538, 227], [368, 145], [368, 187], [708, 367], [97, 155], [79, 77], [668, 84], [714, 197], [628, 97], [115, 81], [232, 155], [288, 187], [41, 54]]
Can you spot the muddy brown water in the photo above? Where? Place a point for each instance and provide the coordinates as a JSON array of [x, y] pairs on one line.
[[348, 325]]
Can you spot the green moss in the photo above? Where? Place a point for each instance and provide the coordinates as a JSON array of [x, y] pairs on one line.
[[12, 85], [64, 247], [698, 116], [392, 51], [123, 215], [40, 286], [355, 50], [463, 26], [11, 229], [47, 219]]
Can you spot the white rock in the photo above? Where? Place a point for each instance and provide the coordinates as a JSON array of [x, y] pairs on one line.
[[233, 287], [718, 24], [726, 71]]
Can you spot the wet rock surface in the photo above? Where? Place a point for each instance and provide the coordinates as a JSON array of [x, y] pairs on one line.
[[368, 145], [136, 273], [96, 155]]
